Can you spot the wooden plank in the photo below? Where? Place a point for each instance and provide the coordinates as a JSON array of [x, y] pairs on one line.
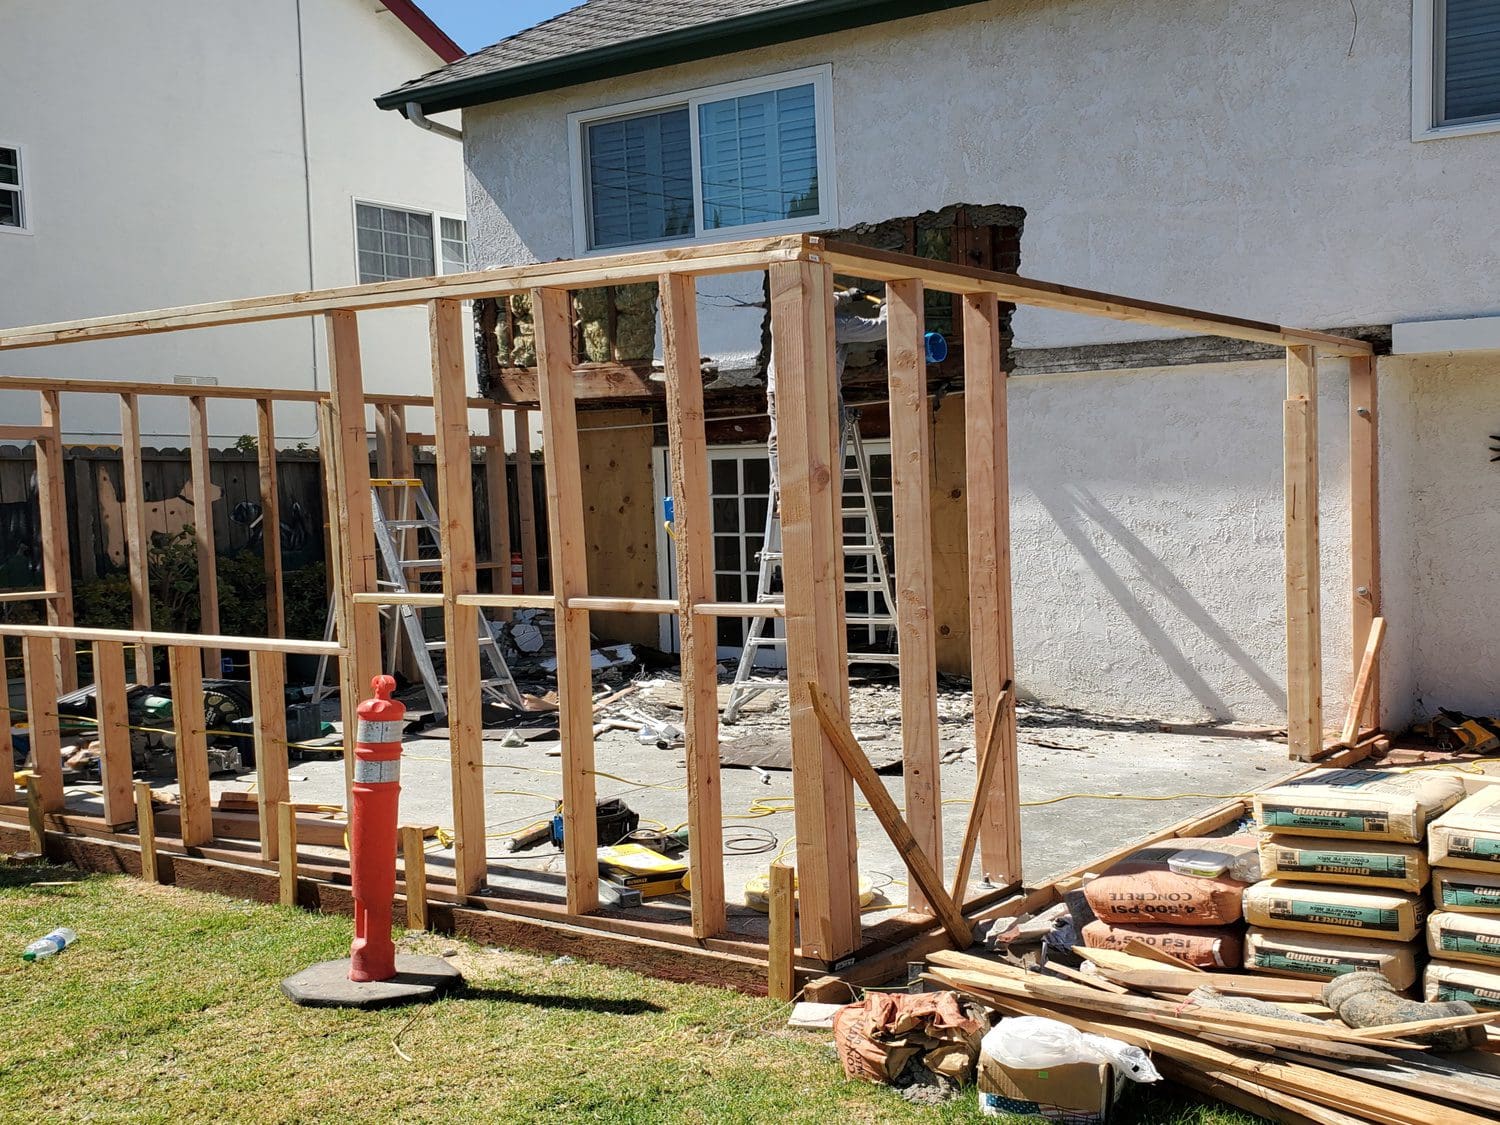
[[8, 718], [1364, 683], [989, 762], [569, 580], [178, 640], [396, 597], [36, 822], [498, 492], [589, 273], [24, 433], [526, 504], [991, 625], [203, 530], [145, 827], [414, 874], [113, 713], [861, 261], [911, 502], [739, 609], [136, 537], [509, 601], [1364, 514], [1303, 580], [42, 721], [816, 649], [193, 797], [286, 848], [627, 605], [361, 661], [926, 875], [182, 390], [692, 522], [270, 515], [12, 596], [84, 507], [52, 503], [460, 622], [1253, 1097], [272, 785], [782, 955]]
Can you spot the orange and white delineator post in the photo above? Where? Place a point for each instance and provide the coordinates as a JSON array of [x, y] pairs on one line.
[[372, 832]]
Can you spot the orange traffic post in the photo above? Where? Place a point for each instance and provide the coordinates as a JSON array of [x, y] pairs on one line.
[[372, 832], [373, 976]]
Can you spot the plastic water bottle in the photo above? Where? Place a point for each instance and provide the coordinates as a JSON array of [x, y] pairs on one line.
[[44, 947]]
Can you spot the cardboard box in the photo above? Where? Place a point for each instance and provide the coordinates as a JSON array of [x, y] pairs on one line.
[[1076, 1094]]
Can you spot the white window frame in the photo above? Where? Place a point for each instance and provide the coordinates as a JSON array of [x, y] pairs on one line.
[[1425, 94], [27, 225], [821, 79], [355, 202]]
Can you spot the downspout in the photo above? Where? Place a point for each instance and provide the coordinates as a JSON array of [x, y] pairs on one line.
[[415, 115]]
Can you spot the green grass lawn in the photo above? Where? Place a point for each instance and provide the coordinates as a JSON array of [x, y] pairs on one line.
[[168, 1009]]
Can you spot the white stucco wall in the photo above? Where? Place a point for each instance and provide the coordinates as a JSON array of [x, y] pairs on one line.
[[164, 166], [1232, 155]]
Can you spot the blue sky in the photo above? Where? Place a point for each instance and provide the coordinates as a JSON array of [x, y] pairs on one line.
[[473, 24]]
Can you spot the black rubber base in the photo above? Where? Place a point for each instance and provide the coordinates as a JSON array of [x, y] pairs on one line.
[[327, 984]]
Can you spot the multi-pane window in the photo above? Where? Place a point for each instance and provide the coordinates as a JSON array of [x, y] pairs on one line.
[[455, 245], [394, 243], [1467, 66], [12, 206], [743, 155], [739, 490]]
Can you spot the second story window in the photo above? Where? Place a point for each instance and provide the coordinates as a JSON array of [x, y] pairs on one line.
[[750, 157], [1456, 67], [393, 243], [12, 203]]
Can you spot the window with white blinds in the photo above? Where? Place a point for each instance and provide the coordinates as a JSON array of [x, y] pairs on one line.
[[755, 156], [1467, 67]]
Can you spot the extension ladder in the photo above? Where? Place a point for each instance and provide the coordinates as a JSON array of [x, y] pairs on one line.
[[861, 540], [414, 527]]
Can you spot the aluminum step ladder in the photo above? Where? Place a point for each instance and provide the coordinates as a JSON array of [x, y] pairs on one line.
[[414, 528], [861, 541]]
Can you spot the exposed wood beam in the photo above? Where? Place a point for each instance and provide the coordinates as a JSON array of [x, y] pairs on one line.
[[1304, 638]]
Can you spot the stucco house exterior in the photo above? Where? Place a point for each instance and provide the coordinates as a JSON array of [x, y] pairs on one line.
[[1318, 164], [175, 152]]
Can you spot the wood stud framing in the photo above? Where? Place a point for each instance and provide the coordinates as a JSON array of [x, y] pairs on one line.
[[991, 639], [460, 576], [114, 732], [801, 277], [203, 528], [1304, 687], [911, 471], [695, 583], [270, 515], [575, 679]]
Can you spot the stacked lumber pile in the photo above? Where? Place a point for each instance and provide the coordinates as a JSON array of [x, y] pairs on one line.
[[1264, 1044]]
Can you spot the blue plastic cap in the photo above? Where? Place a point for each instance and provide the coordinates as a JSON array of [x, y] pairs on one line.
[[937, 347]]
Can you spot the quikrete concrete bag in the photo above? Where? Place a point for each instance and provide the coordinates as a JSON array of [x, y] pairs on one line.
[[1310, 908], [1466, 892], [1473, 938], [1142, 889], [1289, 953], [1366, 803], [1443, 981], [1467, 836], [1354, 863], [1207, 947]]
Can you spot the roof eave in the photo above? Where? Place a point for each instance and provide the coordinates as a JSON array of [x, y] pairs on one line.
[[742, 33]]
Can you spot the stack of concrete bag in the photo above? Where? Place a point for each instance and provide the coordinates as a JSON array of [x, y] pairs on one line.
[[1345, 865], [1463, 934], [1182, 896]]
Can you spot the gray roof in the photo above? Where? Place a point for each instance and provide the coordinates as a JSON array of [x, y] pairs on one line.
[[604, 38]]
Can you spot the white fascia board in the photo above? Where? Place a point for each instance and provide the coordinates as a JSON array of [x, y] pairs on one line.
[[1470, 334]]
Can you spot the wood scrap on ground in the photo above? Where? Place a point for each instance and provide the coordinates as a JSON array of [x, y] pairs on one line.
[[1290, 1062]]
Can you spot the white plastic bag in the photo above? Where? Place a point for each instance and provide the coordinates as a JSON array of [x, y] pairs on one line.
[[1034, 1043]]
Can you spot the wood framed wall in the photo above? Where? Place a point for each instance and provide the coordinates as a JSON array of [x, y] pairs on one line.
[[802, 270]]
